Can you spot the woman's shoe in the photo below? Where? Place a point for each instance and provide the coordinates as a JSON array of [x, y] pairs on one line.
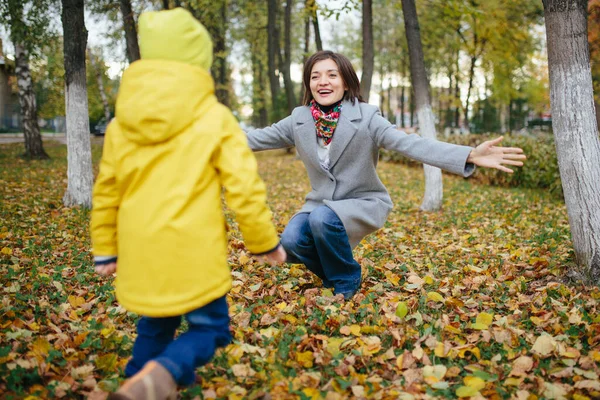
[[152, 382]]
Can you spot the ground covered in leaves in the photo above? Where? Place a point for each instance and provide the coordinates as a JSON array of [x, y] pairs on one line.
[[467, 302]]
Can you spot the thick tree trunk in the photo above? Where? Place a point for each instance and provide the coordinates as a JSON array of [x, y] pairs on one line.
[[287, 59], [133, 48], [432, 199], [165, 4], [98, 73], [575, 129], [34, 148], [79, 155], [305, 55], [368, 57], [273, 54], [597, 106]]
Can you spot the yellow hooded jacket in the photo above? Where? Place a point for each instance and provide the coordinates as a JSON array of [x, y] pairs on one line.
[[167, 155]]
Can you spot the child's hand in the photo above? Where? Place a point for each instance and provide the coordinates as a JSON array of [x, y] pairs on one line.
[[277, 256], [106, 269]]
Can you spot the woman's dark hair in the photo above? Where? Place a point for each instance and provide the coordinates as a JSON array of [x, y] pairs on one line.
[[346, 71]]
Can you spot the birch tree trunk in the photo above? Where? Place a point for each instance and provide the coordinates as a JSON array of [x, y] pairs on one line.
[[432, 199], [287, 56], [368, 57], [575, 130], [79, 155], [34, 149], [133, 48], [98, 73]]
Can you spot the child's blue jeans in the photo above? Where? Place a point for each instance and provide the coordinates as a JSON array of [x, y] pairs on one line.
[[208, 330]]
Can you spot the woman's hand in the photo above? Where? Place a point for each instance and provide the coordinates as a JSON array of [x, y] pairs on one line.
[[488, 155]]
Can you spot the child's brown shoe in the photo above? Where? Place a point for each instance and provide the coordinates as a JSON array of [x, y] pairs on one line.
[[153, 382]]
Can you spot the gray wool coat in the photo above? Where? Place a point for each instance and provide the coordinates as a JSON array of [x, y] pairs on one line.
[[351, 186]]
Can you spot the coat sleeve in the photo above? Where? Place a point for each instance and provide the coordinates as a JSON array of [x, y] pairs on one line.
[[280, 135], [245, 192], [447, 156], [106, 200]]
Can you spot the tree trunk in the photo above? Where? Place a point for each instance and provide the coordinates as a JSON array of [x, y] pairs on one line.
[[575, 129], [34, 149], [368, 57], [470, 88], [432, 199], [165, 4], [273, 55], [79, 154], [597, 106], [98, 72], [403, 95], [259, 106], [315, 19], [133, 49], [287, 59], [219, 68], [305, 55]]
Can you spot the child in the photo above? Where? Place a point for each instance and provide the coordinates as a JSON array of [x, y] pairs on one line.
[[157, 204]]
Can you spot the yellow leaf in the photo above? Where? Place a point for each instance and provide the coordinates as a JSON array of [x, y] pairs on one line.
[[76, 301], [484, 318], [428, 280], [401, 310], [333, 345], [40, 348], [244, 260], [6, 250], [474, 382], [466, 391], [435, 296], [355, 329], [513, 381], [305, 358], [440, 350], [107, 362], [311, 393]]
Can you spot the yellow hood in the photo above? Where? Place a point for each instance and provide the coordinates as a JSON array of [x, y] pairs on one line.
[[159, 99], [174, 35]]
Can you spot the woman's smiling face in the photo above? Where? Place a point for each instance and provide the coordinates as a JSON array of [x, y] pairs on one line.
[[326, 83]]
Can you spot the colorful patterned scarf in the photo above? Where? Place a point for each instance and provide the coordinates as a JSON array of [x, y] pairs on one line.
[[325, 122]]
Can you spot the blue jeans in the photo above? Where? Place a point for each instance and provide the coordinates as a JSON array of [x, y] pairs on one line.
[[319, 240], [208, 330]]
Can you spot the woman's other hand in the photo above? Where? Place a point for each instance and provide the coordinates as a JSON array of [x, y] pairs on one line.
[[489, 155]]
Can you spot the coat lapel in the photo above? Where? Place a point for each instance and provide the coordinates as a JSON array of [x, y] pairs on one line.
[[344, 131], [307, 136]]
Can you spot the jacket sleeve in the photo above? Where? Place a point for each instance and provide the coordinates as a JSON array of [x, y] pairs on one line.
[[277, 136], [245, 192], [447, 156], [106, 200]]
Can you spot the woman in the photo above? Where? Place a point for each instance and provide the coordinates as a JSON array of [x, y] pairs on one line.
[[338, 136]]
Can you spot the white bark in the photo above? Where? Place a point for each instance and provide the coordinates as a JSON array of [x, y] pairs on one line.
[[575, 130], [433, 196], [79, 172]]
